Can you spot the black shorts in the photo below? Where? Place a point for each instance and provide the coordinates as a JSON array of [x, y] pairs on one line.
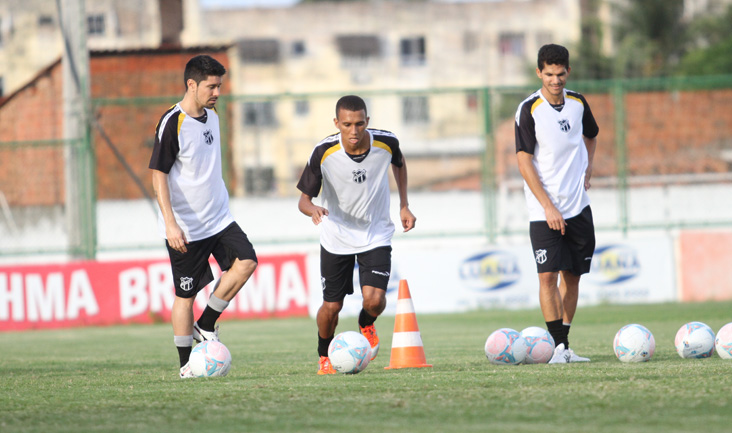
[[336, 271], [191, 270], [571, 252]]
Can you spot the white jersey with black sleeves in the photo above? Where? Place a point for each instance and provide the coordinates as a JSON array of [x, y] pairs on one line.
[[189, 150], [355, 191], [553, 135]]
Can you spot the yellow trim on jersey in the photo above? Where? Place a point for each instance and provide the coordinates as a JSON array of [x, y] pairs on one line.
[[330, 151], [575, 98], [181, 117], [536, 104], [382, 145]]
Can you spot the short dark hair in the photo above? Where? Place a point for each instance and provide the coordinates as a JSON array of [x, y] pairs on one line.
[[201, 67], [351, 103], [553, 54]]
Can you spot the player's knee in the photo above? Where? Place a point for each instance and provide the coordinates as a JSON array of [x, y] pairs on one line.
[[374, 305], [243, 268], [331, 308]]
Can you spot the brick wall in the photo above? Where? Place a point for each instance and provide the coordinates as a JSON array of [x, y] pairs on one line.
[[35, 175]]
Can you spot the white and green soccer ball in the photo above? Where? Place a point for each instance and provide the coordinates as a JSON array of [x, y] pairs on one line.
[[505, 346], [695, 340], [209, 359], [539, 345], [349, 352], [634, 343]]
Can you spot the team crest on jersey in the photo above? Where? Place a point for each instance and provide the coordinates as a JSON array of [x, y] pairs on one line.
[[208, 136], [564, 125], [186, 283], [359, 176]]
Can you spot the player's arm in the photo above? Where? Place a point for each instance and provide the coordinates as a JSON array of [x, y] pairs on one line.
[[315, 212], [591, 145], [405, 215], [528, 172], [173, 232]]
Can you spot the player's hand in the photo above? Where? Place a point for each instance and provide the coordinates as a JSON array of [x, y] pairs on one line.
[[176, 238], [319, 214], [408, 219], [588, 175], [555, 220]]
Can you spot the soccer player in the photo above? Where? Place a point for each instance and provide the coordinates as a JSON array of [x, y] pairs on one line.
[[352, 169], [194, 215], [555, 144]]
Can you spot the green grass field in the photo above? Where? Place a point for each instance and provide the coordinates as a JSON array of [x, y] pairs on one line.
[[125, 379]]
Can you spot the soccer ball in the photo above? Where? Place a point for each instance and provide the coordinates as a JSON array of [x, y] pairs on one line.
[[349, 352], [210, 358], [723, 342], [539, 345], [505, 347], [634, 343], [695, 340]]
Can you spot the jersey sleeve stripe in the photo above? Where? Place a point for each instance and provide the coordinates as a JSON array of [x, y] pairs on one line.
[[382, 145], [329, 152], [181, 117], [575, 98], [536, 104]]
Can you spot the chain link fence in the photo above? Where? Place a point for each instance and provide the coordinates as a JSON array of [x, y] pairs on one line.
[[662, 162]]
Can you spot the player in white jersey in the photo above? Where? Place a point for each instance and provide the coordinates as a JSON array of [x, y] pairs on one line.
[[556, 136], [194, 215], [352, 168]]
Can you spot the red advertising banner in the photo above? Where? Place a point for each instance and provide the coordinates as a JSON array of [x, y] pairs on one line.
[[140, 291], [703, 262]]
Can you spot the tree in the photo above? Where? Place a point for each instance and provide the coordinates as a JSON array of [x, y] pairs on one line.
[[591, 62], [710, 46], [650, 38]]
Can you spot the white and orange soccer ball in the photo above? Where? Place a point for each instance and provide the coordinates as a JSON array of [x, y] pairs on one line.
[[210, 358], [539, 345], [349, 352], [723, 341], [634, 343], [694, 340], [505, 346]]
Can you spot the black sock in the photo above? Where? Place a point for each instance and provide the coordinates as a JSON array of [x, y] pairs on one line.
[[558, 332], [208, 319], [365, 319], [184, 353], [566, 333], [323, 344]]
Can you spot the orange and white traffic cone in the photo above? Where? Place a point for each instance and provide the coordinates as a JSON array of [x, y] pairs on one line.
[[407, 350]]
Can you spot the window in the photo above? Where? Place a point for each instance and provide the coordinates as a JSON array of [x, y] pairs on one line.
[[358, 46], [260, 114], [302, 107], [45, 21], [412, 51], [259, 50], [357, 50], [470, 41], [415, 110], [511, 44], [298, 49], [95, 24]]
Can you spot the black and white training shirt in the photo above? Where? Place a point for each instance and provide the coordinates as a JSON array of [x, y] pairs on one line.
[[554, 137], [355, 190], [188, 149]]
